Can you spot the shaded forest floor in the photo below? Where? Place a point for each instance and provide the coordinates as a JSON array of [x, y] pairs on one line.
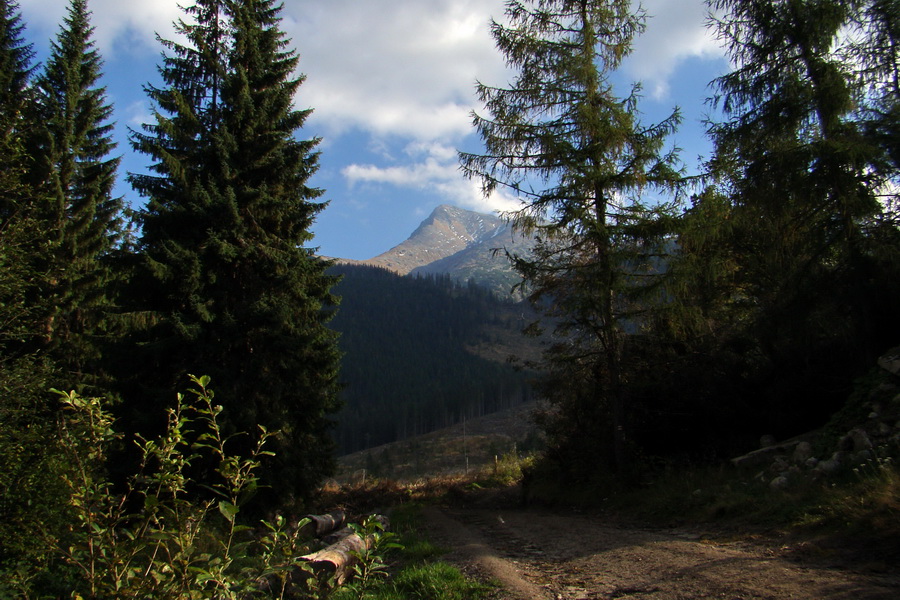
[[619, 549], [541, 554]]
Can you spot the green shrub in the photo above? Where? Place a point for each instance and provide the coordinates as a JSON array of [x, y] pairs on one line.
[[156, 539]]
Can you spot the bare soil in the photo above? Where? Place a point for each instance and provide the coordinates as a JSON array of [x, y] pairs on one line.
[[538, 554]]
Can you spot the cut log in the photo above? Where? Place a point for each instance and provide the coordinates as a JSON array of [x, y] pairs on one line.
[[337, 558], [333, 560], [320, 525]]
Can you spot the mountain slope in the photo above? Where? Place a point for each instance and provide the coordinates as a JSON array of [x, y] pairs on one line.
[[460, 243], [421, 354]]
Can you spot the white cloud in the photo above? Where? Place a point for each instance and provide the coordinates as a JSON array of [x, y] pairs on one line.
[[402, 72], [392, 68], [121, 27], [388, 67], [137, 113], [433, 168], [676, 30]]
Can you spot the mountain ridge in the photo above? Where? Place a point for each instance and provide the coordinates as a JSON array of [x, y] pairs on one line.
[[464, 244]]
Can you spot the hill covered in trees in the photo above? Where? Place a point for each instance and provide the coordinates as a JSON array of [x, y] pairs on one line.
[[781, 285], [411, 354]]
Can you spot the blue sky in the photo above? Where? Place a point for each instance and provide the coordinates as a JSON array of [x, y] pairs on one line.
[[391, 83]]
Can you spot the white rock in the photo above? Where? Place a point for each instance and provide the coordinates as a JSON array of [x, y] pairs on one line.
[[802, 452], [779, 483]]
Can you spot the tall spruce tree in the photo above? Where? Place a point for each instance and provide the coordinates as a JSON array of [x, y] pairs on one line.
[[225, 235], [74, 176], [31, 497], [15, 75], [580, 160], [876, 50], [802, 176]]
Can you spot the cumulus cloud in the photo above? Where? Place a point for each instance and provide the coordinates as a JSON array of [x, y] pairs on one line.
[[409, 68], [401, 72], [676, 31], [120, 27], [432, 167], [394, 68]]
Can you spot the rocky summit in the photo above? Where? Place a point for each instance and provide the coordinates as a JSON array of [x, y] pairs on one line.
[[464, 244]]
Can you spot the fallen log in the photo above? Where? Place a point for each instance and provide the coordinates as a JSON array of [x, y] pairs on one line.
[[337, 558], [334, 560], [320, 525]]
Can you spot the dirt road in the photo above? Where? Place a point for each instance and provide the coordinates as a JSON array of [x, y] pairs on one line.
[[540, 555]]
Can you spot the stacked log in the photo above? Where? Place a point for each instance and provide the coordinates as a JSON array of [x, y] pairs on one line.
[[335, 559], [321, 525]]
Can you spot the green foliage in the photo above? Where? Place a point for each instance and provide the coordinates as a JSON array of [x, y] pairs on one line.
[[781, 281], [507, 470], [225, 269], [73, 178], [370, 568], [439, 581], [155, 538], [32, 495], [15, 75], [20, 231], [581, 162], [422, 576]]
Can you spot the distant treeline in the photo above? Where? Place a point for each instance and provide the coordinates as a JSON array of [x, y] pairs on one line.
[[406, 367]]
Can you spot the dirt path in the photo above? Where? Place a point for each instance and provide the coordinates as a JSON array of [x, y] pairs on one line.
[[539, 555]]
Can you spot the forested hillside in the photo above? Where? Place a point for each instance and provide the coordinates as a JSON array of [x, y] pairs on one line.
[[407, 366], [780, 289]]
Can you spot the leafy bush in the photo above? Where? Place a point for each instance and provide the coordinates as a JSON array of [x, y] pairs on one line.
[[156, 538]]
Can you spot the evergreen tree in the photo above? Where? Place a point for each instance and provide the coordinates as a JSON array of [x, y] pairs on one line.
[[239, 295], [876, 51], [21, 241], [31, 494], [15, 75], [790, 102], [580, 160], [803, 176], [74, 176]]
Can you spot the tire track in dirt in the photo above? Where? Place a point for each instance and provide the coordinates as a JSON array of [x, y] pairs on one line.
[[479, 557], [539, 555]]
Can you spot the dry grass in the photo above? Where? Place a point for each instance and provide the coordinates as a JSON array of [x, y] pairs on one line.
[[359, 497], [456, 450]]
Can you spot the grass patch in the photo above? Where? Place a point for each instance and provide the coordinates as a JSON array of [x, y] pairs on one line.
[[506, 470], [429, 581], [418, 573]]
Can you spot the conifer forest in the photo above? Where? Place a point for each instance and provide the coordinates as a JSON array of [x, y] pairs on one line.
[[193, 352]]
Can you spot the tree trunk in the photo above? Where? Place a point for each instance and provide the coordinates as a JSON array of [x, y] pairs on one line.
[[337, 558], [320, 525]]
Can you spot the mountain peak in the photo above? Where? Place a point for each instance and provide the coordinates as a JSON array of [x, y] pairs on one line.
[[448, 230], [459, 242]]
